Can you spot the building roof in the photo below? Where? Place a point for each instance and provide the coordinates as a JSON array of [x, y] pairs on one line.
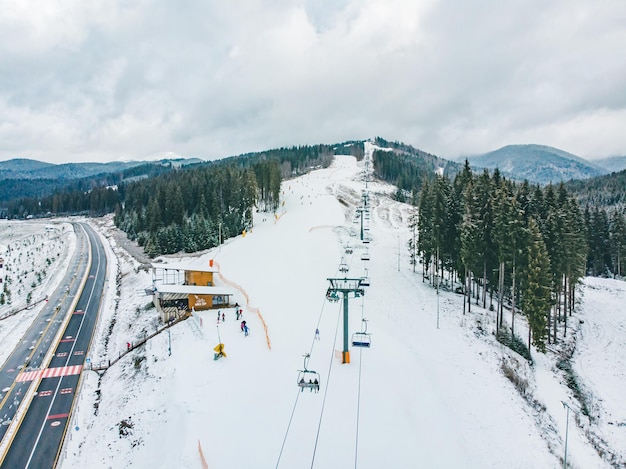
[[187, 267], [194, 290]]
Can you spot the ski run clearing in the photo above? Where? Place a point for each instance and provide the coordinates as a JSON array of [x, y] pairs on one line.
[[434, 390]]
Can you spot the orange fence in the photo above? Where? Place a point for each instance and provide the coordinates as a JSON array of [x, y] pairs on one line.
[[248, 307], [204, 464]]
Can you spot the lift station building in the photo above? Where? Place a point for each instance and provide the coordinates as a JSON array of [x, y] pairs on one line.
[[178, 288]]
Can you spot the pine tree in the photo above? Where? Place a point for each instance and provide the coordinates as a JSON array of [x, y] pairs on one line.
[[535, 288], [425, 237], [618, 242]]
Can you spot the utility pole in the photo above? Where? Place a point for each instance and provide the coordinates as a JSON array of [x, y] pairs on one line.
[[345, 286], [565, 404]]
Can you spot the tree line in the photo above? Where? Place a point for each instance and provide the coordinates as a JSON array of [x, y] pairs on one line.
[[523, 246], [92, 195], [170, 209], [406, 167]]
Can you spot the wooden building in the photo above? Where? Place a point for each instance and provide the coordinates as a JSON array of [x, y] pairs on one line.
[[179, 288]]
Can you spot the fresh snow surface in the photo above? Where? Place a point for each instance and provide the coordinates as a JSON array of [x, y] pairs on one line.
[[422, 396], [34, 256]]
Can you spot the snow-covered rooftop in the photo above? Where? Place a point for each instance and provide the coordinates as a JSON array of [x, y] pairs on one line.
[[187, 266], [194, 289]]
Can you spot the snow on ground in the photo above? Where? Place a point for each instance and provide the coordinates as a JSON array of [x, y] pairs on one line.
[[600, 358], [422, 396], [35, 256]]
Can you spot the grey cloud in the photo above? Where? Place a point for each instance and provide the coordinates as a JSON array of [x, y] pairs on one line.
[[211, 79]]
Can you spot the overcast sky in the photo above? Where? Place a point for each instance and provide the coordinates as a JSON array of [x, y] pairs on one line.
[[103, 80]]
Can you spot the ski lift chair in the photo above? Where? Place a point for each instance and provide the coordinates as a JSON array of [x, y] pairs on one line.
[[365, 280], [362, 338], [365, 256], [308, 379]]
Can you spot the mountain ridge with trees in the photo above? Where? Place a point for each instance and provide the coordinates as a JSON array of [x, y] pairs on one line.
[[146, 197], [539, 164]]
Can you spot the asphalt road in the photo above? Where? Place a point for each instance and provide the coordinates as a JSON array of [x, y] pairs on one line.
[[31, 351], [38, 440]]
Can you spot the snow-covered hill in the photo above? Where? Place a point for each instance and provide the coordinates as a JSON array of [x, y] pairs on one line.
[[537, 163], [434, 390]]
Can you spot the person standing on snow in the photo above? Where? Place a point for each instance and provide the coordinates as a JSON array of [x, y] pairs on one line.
[[243, 325], [245, 330]]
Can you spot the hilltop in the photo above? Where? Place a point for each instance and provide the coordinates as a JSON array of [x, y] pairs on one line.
[[537, 163]]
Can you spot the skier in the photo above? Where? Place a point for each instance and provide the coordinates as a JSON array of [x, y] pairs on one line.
[[245, 330], [243, 325], [317, 334]]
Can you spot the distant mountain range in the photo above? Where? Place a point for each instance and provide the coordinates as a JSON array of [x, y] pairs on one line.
[[18, 176], [23, 168], [612, 164], [542, 164], [403, 166]]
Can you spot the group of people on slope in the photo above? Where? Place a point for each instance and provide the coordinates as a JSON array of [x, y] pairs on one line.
[[221, 316]]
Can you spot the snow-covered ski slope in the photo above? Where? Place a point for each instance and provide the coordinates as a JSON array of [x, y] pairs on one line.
[[421, 397]]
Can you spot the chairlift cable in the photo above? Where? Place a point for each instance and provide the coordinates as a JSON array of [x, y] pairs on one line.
[[358, 395], [295, 404], [293, 411], [330, 366], [317, 326]]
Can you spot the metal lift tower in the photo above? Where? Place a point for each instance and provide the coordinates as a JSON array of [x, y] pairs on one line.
[[345, 286]]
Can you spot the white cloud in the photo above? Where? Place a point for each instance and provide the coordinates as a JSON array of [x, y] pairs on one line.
[[211, 79]]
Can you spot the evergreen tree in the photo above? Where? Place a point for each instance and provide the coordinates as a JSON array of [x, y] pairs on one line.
[[618, 242], [536, 288]]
